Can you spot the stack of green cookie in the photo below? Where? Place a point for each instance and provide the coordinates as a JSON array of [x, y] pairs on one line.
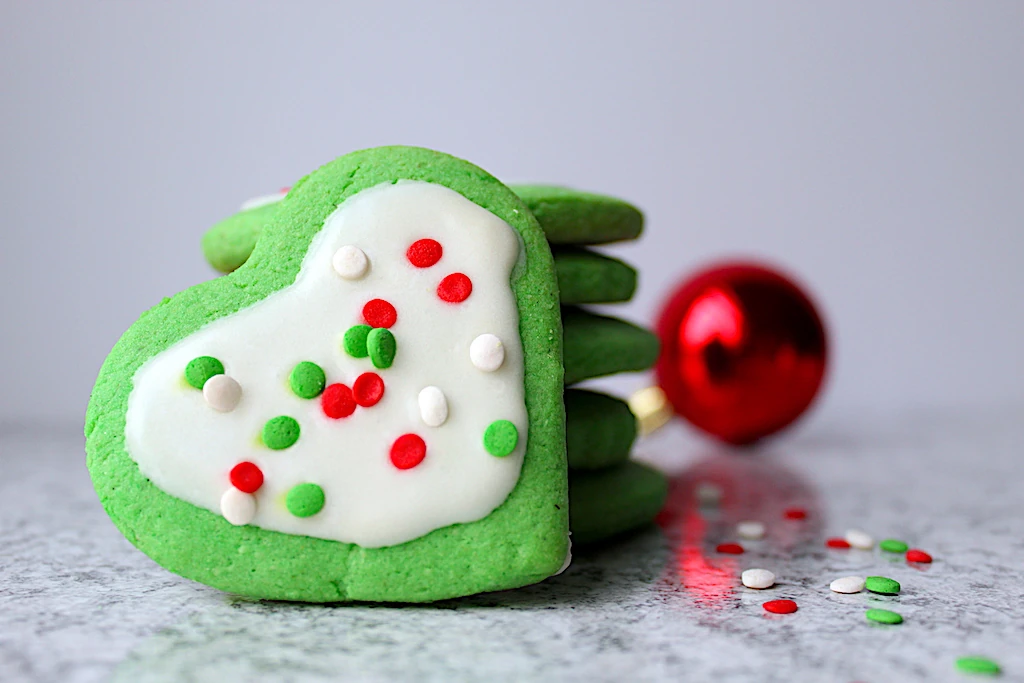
[[609, 494]]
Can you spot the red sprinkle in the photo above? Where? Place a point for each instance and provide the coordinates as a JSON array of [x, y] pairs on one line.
[[424, 253], [246, 477], [455, 288], [379, 313], [780, 606], [729, 548], [368, 389], [337, 401], [915, 555], [408, 451], [837, 543], [795, 513]]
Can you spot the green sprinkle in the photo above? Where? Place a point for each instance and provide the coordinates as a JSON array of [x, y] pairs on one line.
[[882, 585], [305, 500], [354, 341], [199, 370], [501, 438], [883, 616], [280, 432], [382, 347], [308, 380], [892, 545], [978, 665]]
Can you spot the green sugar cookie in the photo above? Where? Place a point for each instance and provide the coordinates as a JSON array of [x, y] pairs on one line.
[[575, 217], [228, 244], [567, 217], [597, 345], [599, 430], [587, 277], [608, 502], [251, 496]]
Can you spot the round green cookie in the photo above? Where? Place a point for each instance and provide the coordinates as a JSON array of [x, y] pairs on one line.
[[605, 503], [228, 244], [587, 277], [596, 346], [522, 541], [575, 217], [599, 430]]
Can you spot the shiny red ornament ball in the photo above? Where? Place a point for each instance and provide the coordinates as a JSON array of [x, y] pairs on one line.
[[743, 351]]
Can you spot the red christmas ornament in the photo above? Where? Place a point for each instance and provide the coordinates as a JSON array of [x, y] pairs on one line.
[[743, 351]]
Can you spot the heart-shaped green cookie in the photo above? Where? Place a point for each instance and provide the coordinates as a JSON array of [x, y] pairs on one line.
[[370, 408]]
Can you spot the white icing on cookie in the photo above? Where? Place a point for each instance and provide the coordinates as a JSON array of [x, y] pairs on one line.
[[487, 353], [568, 556], [222, 393], [187, 450], [433, 406]]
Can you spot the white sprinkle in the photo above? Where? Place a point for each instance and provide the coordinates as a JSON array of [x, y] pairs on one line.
[[758, 578], [237, 506], [222, 393], [848, 584], [751, 530], [350, 262], [708, 493], [433, 406], [860, 539], [487, 352]]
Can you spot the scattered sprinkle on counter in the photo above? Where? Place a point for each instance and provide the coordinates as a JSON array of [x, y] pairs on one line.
[[860, 539], [729, 548], [848, 584], [708, 493], [883, 616], [915, 555], [795, 513], [892, 545], [780, 606], [882, 585], [758, 578], [978, 665], [837, 543], [750, 530]]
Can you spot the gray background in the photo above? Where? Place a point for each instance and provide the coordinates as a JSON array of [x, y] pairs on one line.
[[875, 149]]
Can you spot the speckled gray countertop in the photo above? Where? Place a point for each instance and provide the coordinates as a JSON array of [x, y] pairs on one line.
[[78, 603]]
